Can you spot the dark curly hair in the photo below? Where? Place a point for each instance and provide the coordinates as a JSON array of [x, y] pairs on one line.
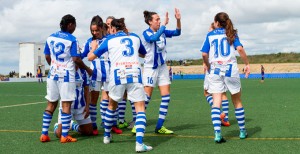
[[65, 21]]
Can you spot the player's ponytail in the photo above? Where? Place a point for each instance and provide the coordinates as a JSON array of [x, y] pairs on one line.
[[148, 16], [226, 23], [119, 24]]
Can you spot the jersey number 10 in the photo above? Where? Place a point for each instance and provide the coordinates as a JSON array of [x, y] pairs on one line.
[[223, 49]]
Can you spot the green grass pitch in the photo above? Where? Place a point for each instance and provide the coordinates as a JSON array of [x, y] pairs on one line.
[[271, 110]]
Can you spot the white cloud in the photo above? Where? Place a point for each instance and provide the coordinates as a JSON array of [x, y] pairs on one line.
[[263, 26]]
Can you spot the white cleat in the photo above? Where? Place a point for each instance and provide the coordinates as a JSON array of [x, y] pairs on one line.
[[142, 147], [106, 139]]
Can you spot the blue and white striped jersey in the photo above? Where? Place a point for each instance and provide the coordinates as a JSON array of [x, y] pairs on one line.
[[82, 80], [221, 54], [155, 45], [62, 46], [123, 51], [100, 65]]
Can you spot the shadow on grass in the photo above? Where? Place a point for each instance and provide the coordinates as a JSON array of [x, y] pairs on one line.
[[250, 131], [183, 127], [234, 121], [151, 122]]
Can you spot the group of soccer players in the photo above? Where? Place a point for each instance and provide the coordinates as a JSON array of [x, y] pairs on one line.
[[115, 67], [114, 54]]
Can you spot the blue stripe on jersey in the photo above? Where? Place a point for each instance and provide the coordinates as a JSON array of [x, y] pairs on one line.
[[117, 79], [81, 81], [76, 100], [94, 75], [129, 78], [228, 72], [67, 77], [55, 77], [103, 71], [155, 64], [82, 99], [86, 48], [140, 78]]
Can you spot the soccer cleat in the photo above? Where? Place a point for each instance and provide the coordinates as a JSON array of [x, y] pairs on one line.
[[219, 138], [223, 122], [116, 130], [131, 125], [67, 139], [95, 132], [222, 115], [133, 130], [163, 130], [55, 128], [243, 134], [44, 138], [107, 139], [142, 147], [123, 125]]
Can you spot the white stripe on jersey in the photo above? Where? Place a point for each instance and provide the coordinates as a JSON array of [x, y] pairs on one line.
[[82, 80], [221, 54], [62, 46], [101, 65], [123, 53]]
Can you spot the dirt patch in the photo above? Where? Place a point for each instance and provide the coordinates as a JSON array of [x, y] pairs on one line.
[[254, 68]]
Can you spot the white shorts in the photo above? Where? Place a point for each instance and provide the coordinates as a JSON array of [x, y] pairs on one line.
[[105, 86], [159, 76], [220, 84], [135, 92], [65, 91], [95, 85], [205, 83], [78, 115]]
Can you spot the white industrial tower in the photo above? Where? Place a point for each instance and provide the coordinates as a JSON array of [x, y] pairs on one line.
[[31, 57]]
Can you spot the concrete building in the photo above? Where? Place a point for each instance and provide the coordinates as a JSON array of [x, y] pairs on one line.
[[31, 57]]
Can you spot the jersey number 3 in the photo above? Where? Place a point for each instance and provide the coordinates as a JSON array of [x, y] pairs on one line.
[[129, 49]]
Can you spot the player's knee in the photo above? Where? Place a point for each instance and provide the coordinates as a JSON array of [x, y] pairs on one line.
[[86, 129]]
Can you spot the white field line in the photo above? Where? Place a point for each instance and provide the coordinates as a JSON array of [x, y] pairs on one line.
[[21, 104]]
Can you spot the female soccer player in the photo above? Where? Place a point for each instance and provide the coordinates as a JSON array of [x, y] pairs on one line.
[[80, 107], [219, 58], [155, 69], [100, 67], [125, 74], [62, 53], [208, 96]]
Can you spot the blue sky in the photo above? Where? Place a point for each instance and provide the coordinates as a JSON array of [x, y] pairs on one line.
[[263, 26]]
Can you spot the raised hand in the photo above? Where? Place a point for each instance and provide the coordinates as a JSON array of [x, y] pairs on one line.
[[166, 19], [177, 14]]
